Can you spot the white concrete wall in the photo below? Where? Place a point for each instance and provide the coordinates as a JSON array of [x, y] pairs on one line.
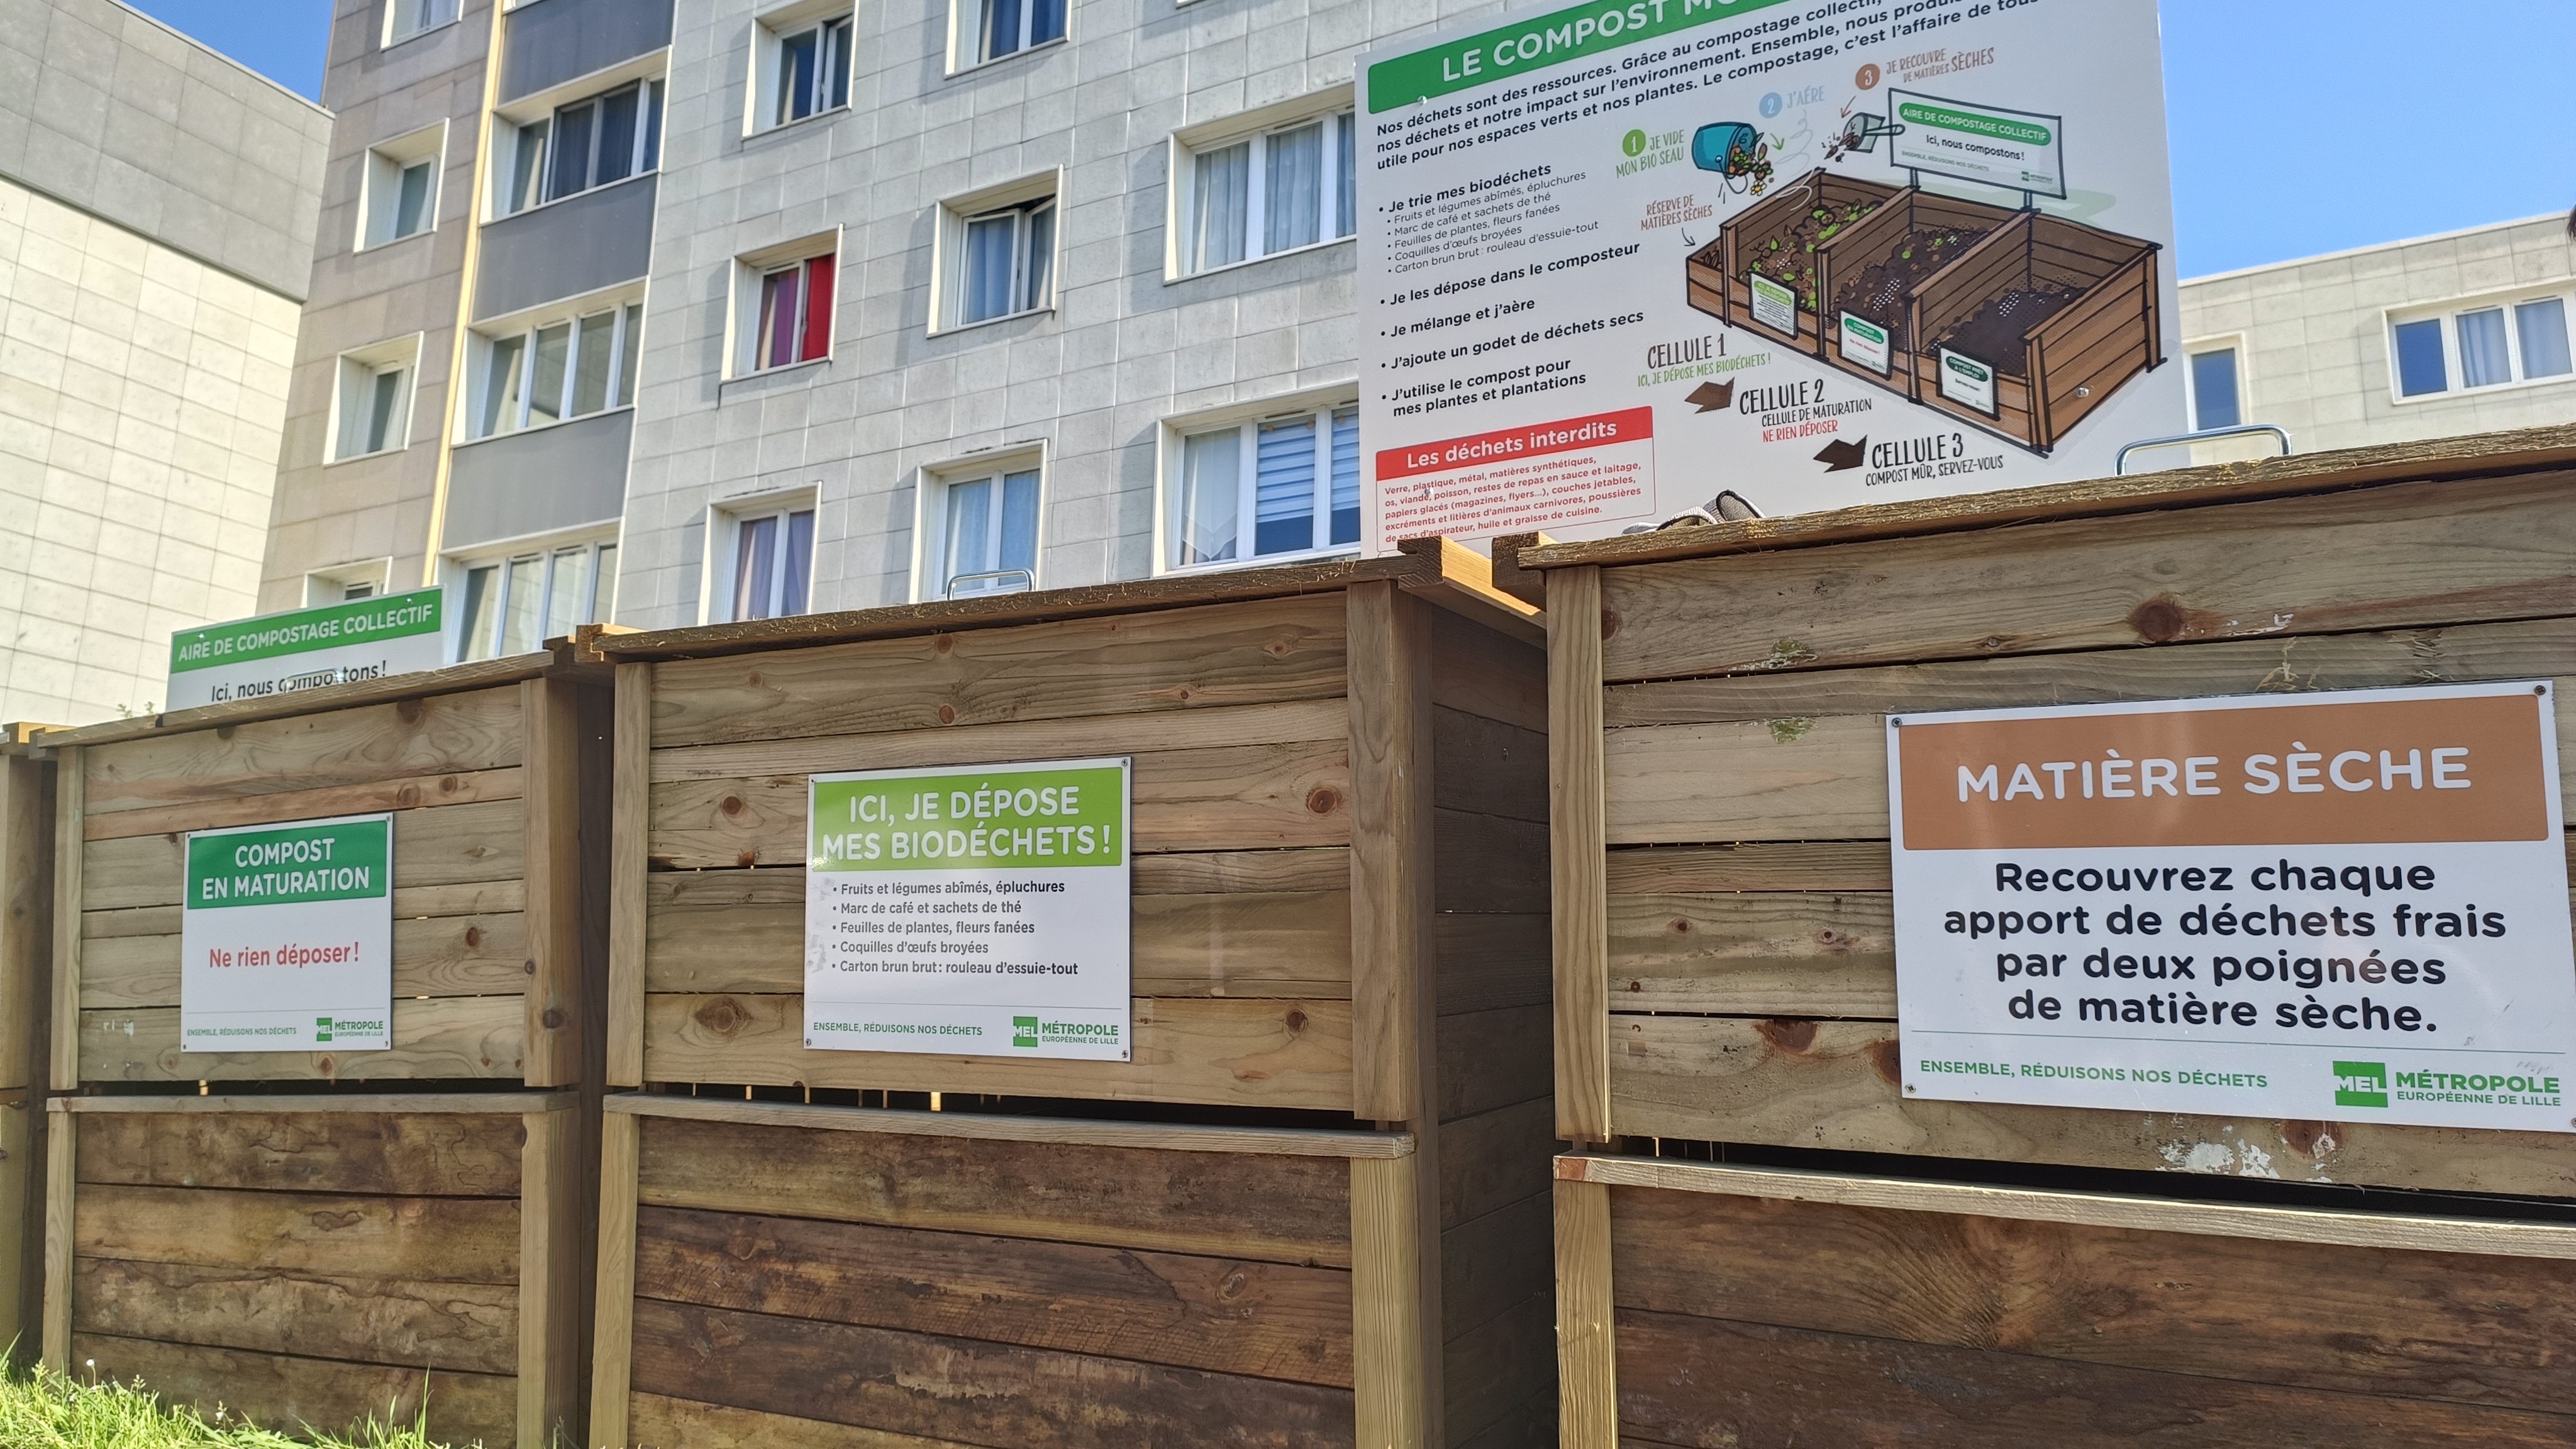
[[141, 397]]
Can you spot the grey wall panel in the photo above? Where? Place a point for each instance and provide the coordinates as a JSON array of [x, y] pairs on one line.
[[536, 482], [552, 41], [563, 249]]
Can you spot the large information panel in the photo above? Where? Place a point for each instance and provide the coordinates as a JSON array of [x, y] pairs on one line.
[[286, 937], [2339, 907], [981, 911], [307, 648], [1620, 259]]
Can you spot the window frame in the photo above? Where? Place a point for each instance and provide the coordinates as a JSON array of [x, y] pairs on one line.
[[382, 167], [542, 550], [505, 192], [2446, 315], [626, 306], [957, 215], [931, 497], [762, 98], [751, 273], [969, 44], [1171, 478], [2227, 342], [1335, 106], [374, 575], [377, 359], [716, 604], [388, 38]]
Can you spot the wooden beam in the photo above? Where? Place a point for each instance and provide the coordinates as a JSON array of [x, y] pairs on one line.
[[629, 833], [65, 1009], [1579, 922], [26, 914], [1587, 1357], [475, 1104], [62, 1146], [1175, 1137], [1392, 946], [551, 710], [553, 1254], [612, 1354], [481, 674], [1463, 583], [1394, 1350]]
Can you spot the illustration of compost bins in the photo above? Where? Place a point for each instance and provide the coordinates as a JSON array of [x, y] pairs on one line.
[[2016, 322]]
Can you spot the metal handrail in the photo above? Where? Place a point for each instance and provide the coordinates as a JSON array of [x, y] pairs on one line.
[[1027, 580], [2120, 467]]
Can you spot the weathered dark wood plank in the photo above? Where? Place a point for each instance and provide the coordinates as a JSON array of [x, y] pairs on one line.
[[286, 1393], [429, 1154], [443, 1239], [467, 1327]]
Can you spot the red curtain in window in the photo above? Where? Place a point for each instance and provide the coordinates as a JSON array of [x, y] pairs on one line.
[[818, 309], [778, 319]]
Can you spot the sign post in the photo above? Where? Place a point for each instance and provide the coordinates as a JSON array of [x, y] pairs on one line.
[[307, 648], [2337, 907], [286, 937], [976, 912]]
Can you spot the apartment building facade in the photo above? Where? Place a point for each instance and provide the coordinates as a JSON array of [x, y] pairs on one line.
[[157, 203]]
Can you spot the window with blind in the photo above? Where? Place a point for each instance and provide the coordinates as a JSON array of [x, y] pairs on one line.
[[988, 538], [1277, 191], [1266, 489], [557, 369], [579, 147], [1009, 261], [771, 571], [2465, 347]]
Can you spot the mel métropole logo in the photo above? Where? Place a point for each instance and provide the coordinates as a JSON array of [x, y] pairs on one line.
[[1024, 1031], [2361, 1084], [321, 1028]]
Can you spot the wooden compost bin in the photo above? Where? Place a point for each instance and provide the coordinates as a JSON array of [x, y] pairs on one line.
[[2073, 314], [1771, 229], [280, 1242], [1864, 269], [1724, 949], [26, 916], [1312, 1209]]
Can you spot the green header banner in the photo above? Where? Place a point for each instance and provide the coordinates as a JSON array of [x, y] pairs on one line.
[[1975, 123], [970, 820], [331, 626], [1558, 38], [290, 865]]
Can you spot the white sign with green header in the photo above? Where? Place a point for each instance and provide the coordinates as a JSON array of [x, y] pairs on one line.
[[307, 648], [977, 911], [286, 936], [2016, 150]]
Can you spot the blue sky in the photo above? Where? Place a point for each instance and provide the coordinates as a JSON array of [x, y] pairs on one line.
[[2299, 126]]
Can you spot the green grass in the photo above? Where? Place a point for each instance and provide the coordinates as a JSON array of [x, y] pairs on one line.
[[43, 1410]]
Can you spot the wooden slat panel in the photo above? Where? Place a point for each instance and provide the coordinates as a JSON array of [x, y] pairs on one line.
[[449, 845], [408, 1153], [2474, 1329], [1489, 863], [923, 1385], [401, 794], [1578, 822], [1487, 1371], [1240, 944], [1218, 727], [612, 1357], [1271, 1208], [473, 898], [287, 1393], [1494, 1159], [1491, 1264], [1829, 865], [445, 1036], [468, 1327], [1244, 1052], [1244, 797], [657, 1421], [1491, 1059], [1800, 780], [1479, 671], [1765, 954], [1487, 767], [1316, 868], [2409, 555], [450, 956], [432, 1239], [1488, 963], [1833, 1085], [440, 735], [1228, 654], [1715, 1383], [1268, 1320]]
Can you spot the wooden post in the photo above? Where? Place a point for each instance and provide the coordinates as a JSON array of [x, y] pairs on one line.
[[26, 914], [552, 1306], [1580, 834], [552, 759], [1394, 1003], [1394, 1351], [1587, 1415], [630, 814], [62, 1144], [69, 800], [613, 1343]]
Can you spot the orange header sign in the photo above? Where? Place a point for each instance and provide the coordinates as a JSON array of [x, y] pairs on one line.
[[2347, 769]]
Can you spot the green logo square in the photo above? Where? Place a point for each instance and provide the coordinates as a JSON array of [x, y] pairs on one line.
[[2361, 1084], [1024, 1032], [321, 1028]]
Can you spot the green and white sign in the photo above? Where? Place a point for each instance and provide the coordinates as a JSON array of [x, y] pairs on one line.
[[977, 911], [1865, 342], [307, 648], [1967, 382], [286, 936], [1774, 305], [2016, 150]]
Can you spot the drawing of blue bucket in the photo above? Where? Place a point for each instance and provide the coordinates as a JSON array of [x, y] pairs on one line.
[[1728, 148]]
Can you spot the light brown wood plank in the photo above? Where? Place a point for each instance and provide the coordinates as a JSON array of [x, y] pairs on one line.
[[1834, 1085], [557, 1256], [629, 858], [1244, 797], [440, 956], [1176, 660], [465, 1327], [444, 1036], [1275, 1209], [353, 1151], [62, 1008], [1243, 1052], [1306, 721], [2468, 551], [1795, 865], [1823, 779], [657, 1421], [1315, 868], [1754, 954], [430, 1239], [320, 749], [982, 1126], [1394, 1332], [612, 1358], [553, 1000], [286, 1393], [448, 845], [1587, 1359], [1578, 814], [1394, 951], [414, 793], [62, 1160]]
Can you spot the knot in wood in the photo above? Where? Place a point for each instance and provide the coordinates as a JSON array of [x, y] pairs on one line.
[[529, 967], [553, 1017], [1323, 800], [1636, 985], [1232, 1287], [944, 644], [1681, 926], [752, 679], [1609, 623], [332, 1222], [2310, 1140], [948, 714], [1296, 1019], [1888, 1061], [723, 1016], [409, 795], [409, 711], [225, 732], [730, 805], [2158, 620], [747, 859], [473, 937], [1793, 1037], [1279, 648]]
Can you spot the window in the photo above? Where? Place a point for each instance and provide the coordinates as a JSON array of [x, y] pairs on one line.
[[2215, 402], [407, 18], [812, 72], [795, 313], [2482, 346], [513, 605], [771, 569], [559, 368], [1007, 27], [997, 253], [346, 583], [1286, 484], [371, 412], [586, 144], [398, 194], [988, 535], [1275, 191]]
